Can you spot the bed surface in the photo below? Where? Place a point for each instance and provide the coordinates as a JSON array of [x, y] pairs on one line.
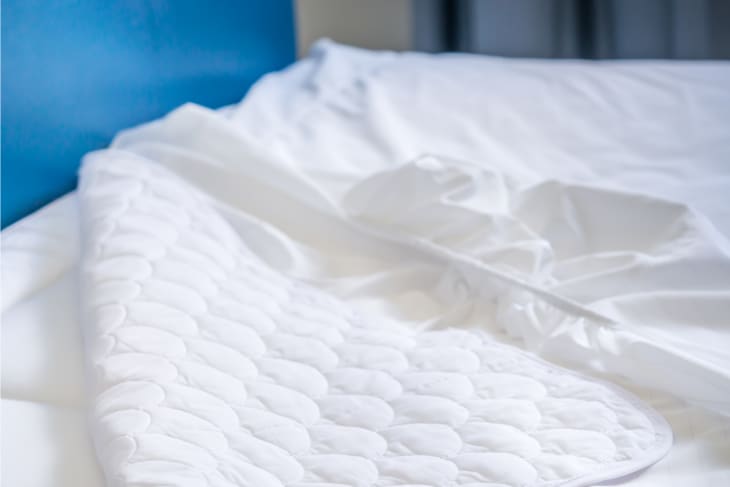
[[45, 435], [344, 114]]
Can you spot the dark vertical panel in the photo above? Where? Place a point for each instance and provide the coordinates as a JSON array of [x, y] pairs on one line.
[[567, 42], [604, 30], [585, 28], [520, 28], [442, 25], [642, 29], [719, 29], [690, 33], [457, 29], [430, 24]]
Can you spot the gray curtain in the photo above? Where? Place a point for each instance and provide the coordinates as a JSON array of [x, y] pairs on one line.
[[590, 29]]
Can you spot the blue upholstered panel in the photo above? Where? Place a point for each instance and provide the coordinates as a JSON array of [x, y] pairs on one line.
[[76, 72]]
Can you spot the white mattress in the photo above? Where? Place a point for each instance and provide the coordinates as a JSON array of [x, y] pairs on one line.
[[342, 116]]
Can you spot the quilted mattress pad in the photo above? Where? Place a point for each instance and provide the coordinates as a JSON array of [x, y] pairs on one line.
[[212, 369]]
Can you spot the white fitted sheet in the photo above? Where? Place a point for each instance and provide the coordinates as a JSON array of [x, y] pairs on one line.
[[344, 115], [46, 445], [653, 127]]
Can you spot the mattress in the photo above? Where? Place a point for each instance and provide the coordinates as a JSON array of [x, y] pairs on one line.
[[338, 130]]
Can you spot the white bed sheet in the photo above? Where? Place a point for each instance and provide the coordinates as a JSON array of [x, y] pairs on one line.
[[45, 445], [659, 130], [654, 127], [41, 359]]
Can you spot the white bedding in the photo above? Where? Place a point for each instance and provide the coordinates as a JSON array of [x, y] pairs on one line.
[[209, 367], [330, 122]]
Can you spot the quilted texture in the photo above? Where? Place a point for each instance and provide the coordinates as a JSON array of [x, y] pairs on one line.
[[211, 368]]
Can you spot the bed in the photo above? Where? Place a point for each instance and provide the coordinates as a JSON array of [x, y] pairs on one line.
[[367, 174]]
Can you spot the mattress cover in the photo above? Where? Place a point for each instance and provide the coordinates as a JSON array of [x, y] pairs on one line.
[[212, 369], [290, 215]]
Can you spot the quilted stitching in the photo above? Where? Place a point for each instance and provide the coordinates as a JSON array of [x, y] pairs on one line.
[[213, 369]]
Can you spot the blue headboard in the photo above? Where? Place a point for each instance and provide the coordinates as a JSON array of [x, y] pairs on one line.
[[76, 72]]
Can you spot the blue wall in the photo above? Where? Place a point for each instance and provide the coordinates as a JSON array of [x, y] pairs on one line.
[[76, 72]]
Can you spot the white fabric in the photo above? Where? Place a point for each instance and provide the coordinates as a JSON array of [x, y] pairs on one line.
[[46, 446], [653, 127], [343, 116], [699, 455], [546, 129], [42, 352], [212, 369]]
